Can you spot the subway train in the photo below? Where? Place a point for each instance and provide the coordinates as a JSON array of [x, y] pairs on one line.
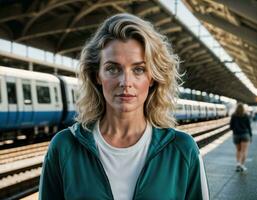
[[33, 102], [189, 111]]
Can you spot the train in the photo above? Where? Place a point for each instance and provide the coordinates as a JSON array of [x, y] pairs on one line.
[[189, 111], [33, 102]]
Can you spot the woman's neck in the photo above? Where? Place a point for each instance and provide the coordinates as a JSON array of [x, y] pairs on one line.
[[122, 130]]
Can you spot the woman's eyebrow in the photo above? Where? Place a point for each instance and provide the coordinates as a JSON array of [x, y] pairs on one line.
[[111, 62], [115, 63], [139, 63]]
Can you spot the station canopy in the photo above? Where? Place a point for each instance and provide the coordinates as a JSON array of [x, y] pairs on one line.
[[233, 23], [63, 26]]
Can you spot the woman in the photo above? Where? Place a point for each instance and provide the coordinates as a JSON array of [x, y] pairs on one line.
[[123, 146], [242, 135]]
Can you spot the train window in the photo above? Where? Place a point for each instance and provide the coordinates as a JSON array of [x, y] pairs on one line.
[[56, 94], [43, 94], [27, 94], [179, 107], [11, 92]]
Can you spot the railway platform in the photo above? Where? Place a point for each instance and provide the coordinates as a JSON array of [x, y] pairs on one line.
[[220, 163]]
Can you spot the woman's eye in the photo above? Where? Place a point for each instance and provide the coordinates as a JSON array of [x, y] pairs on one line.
[[112, 69], [139, 70]]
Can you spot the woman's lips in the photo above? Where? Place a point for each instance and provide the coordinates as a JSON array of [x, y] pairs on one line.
[[126, 97]]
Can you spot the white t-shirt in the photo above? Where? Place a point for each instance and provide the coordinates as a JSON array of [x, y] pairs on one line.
[[123, 165]]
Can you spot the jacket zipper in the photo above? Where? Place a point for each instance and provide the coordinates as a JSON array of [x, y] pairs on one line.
[[143, 169], [103, 172], [140, 176]]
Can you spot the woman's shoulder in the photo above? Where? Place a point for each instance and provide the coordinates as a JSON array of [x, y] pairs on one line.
[[62, 136], [61, 142], [185, 143], [183, 138]]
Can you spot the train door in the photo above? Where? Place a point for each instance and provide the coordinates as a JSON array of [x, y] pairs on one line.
[[207, 112], [13, 111], [71, 104], [203, 111], [3, 104], [57, 104], [27, 103], [188, 111], [199, 111], [179, 112]]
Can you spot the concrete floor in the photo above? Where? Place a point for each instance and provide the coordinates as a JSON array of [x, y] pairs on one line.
[[224, 182]]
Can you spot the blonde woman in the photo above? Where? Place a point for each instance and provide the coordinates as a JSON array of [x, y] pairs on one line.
[[242, 135], [124, 146]]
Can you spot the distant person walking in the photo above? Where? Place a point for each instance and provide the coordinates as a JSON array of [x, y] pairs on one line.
[[242, 135]]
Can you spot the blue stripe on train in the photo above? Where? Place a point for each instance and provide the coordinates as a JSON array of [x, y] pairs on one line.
[[180, 117], [14, 120], [195, 116], [186, 117]]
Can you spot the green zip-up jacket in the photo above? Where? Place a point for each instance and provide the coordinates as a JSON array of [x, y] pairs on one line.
[[72, 169]]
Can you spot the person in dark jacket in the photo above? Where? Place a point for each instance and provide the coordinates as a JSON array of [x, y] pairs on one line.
[[123, 145], [242, 135]]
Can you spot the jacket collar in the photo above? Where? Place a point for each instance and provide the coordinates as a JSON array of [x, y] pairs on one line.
[[85, 137], [160, 138]]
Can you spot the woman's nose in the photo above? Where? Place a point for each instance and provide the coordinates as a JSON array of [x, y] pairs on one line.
[[125, 80]]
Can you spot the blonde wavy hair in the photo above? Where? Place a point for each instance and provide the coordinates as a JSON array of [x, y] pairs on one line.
[[161, 63]]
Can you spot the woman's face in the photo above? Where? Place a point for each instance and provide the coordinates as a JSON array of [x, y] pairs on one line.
[[123, 75]]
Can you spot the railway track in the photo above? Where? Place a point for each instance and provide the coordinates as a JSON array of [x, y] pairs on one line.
[[20, 153], [20, 167]]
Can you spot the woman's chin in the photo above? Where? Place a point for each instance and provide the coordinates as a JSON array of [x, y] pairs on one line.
[[125, 108]]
